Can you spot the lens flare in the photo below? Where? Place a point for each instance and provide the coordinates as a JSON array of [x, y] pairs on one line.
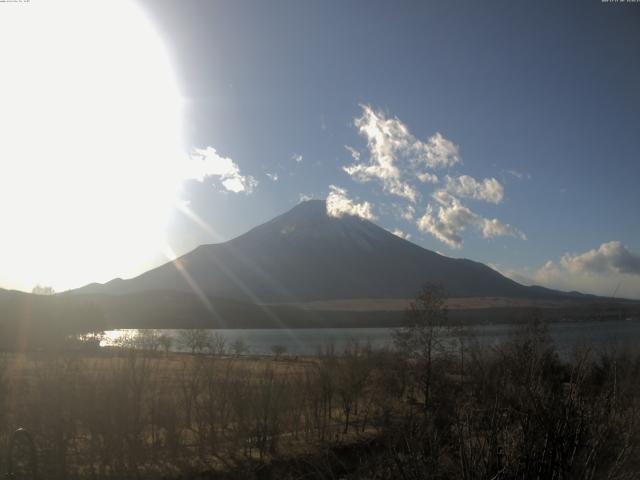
[[91, 150]]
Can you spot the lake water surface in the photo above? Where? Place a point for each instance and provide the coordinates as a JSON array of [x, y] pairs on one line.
[[307, 341]]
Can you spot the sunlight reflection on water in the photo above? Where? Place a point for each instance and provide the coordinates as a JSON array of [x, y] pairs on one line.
[[307, 341]]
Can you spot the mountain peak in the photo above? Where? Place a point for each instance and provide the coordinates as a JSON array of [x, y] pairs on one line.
[[313, 204], [306, 255], [308, 222], [307, 209]]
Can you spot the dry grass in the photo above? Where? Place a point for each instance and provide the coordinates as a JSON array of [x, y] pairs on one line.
[[455, 303], [515, 409]]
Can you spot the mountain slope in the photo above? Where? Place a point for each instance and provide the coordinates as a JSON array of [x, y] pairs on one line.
[[306, 255]]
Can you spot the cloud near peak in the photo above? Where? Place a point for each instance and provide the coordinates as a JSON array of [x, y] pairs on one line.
[[339, 204], [406, 166], [399, 233]]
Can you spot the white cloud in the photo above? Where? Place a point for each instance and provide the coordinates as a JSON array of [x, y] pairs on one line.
[[609, 270], [206, 163], [548, 273], [448, 225], [339, 204], [398, 160], [428, 177], [453, 218], [272, 176], [518, 175], [438, 152], [355, 154], [399, 233], [610, 257], [443, 197], [304, 197], [553, 275], [408, 213], [296, 157], [390, 143], [234, 185], [388, 174], [492, 227], [489, 190], [517, 275]]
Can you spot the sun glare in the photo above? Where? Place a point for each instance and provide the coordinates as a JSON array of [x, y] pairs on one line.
[[90, 150]]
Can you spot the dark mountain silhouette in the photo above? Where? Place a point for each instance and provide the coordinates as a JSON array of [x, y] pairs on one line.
[[30, 321], [301, 269], [306, 255]]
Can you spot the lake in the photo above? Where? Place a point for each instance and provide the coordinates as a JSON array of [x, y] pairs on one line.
[[307, 341]]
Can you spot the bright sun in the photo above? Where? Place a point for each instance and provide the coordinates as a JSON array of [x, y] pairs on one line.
[[90, 142]]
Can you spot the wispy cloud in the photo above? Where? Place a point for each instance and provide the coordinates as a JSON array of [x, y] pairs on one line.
[[296, 157], [492, 227], [518, 175], [426, 177], [438, 152], [395, 153], [447, 225], [399, 233], [272, 176], [355, 154], [488, 190], [206, 163], [405, 166], [408, 213], [339, 204], [453, 218]]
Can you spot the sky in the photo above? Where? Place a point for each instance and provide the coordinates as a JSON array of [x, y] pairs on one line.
[[505, 132]]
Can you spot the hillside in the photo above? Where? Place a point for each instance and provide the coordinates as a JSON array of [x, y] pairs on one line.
[[306, 255]]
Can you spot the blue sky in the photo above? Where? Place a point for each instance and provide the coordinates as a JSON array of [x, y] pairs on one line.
[[543, 97], [528, 114]]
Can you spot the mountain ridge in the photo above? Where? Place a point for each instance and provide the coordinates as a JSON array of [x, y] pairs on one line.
[[307, 255]]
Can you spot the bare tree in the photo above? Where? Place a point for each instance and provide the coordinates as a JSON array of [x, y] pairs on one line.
[[278, 350], [148, 340], [422, 338], [196, 340], [165, 341], [239, 346], [218, 344]]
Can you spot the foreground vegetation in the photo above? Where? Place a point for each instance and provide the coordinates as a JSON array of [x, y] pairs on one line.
[[515, 411], [437, 405]]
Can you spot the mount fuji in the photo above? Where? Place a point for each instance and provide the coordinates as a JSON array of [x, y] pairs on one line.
[[306, 255]]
